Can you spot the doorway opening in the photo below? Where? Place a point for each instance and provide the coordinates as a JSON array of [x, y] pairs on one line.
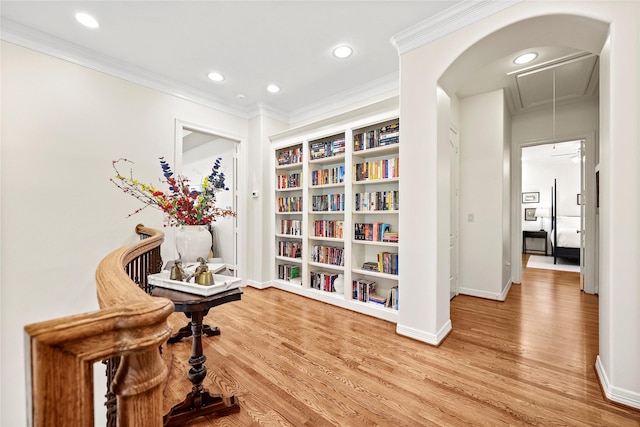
[[552, 208], [197, 150]]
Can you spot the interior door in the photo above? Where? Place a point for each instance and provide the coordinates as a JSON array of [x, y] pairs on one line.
[[453, 212]]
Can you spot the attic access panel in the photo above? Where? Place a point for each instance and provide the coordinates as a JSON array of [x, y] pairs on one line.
[[574, 78]]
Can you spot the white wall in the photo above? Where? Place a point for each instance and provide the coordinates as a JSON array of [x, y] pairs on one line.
[[619, 356], [261, 228], [538, 175], [421, 70], [482, 195], [62, 125], [506, 198]]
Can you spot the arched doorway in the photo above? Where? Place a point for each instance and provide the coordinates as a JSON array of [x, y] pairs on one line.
[[563, 77]]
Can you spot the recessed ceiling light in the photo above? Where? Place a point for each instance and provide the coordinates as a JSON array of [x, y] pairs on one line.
[[216, 77], [527, 57], [241, 96], [87, 20], [273, 88], [342, 52]]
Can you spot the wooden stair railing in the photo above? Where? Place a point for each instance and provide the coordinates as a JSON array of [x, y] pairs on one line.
[[130, 324]]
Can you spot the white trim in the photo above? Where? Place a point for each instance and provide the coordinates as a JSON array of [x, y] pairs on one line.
[[241, 152], [27, 37], [259, 285], [30, 38], [446, 22], [485, 294], [588, 273], [420, 335], [368, 93], [261, 109], [616, 394]]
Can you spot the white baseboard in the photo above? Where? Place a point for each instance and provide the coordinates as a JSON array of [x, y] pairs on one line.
[[506, 290], [613, 393], [416, 334], [259, 285], [485, 294]]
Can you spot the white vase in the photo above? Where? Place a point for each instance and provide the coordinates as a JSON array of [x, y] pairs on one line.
[[192, 242], [338, 284]]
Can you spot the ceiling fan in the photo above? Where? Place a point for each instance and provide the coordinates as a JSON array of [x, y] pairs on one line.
[[568, 152]]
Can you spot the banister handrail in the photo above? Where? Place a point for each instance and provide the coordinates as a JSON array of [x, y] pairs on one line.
[[130, 324]]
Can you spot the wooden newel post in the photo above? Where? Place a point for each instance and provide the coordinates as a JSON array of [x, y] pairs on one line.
[[138, 385]]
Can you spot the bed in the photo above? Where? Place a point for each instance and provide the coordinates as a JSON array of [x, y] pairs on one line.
[[565, 238], [565, 232]]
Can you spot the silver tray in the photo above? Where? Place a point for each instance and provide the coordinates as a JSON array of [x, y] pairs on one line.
[[220, 284]]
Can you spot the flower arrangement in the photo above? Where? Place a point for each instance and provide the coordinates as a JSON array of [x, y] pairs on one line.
[[182, 204]]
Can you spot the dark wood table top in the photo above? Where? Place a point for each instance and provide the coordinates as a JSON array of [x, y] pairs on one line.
[[186, 302]]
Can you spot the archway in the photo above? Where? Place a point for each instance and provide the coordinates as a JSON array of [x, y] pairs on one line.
[[565, 43]]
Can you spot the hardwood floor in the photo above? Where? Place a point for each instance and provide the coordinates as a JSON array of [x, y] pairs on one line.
[[292, 361]]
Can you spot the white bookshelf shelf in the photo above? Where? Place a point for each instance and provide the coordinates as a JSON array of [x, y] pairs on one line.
[[290, 236], [374, 243], [375, 274]]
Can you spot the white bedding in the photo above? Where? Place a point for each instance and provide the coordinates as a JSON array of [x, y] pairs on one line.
[[568, 236]]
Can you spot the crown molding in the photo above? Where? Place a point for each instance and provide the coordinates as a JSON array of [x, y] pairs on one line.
[[261, 109], [448, 21], [32, 39], [379, 89], [373, 91]]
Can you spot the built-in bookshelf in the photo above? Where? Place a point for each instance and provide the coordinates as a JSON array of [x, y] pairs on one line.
[[289, 210], [336, 214], [376, 203], [327, 198]]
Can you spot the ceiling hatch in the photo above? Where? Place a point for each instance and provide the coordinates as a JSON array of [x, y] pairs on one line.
[[576, 77]]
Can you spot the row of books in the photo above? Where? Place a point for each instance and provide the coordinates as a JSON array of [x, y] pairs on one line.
[[377, 169], [390, 236], [326, 228], [392, 299], [386, 135], [389, 134], [289, 249], [327, 203], [290, 204], [328, 176], [327, 255], [386, 262], [365, 290], [292, 227], [373, 232], [377, 201], [327, 148], [288, 271], [290, 156], [323, 281], [291, 180]]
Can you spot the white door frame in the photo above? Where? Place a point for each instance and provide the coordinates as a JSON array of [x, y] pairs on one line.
[[590, 281], [240, 184]]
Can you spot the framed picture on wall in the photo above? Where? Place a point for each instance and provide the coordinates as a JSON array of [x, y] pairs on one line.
[[530, 214], [533, 197]]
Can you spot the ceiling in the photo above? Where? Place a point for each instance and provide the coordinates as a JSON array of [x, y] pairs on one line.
[[253, 44], [561, 151]]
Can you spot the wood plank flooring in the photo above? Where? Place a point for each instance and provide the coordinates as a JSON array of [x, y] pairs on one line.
[[292, 361]]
